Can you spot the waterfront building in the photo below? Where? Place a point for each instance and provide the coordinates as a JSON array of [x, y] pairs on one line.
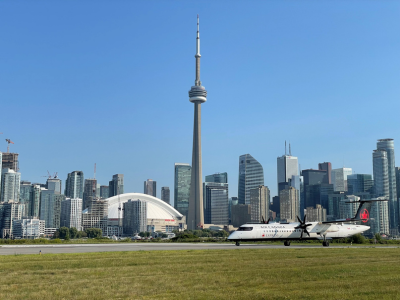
[[28, 228]]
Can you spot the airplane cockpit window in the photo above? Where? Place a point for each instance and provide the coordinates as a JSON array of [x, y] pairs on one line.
[[245, 229]]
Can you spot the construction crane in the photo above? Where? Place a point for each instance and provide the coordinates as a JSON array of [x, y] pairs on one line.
[[8, 146]]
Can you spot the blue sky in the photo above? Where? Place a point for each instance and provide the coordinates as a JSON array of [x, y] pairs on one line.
[[106, 82]]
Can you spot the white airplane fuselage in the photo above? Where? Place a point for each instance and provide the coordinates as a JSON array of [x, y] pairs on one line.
[[287, 231]]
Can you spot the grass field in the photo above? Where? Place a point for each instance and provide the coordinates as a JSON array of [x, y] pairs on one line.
[[323, 273]]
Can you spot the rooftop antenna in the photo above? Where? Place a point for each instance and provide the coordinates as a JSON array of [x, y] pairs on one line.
[[285, 147], [290, 151]]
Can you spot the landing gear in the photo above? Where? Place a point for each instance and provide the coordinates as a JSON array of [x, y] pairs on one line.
[[287, 243], [325, 243], [237, 243]]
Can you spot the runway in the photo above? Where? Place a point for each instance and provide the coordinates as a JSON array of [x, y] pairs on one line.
[[85, 248]]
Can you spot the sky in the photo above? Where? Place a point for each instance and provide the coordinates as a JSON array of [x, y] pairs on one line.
[[106, 82]]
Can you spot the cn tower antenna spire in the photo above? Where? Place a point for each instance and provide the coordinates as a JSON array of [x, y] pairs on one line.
[[197, 81]]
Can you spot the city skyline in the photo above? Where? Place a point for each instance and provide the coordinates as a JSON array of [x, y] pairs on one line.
[[47, 85]]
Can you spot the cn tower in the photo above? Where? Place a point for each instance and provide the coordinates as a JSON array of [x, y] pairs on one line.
[[197, 95]]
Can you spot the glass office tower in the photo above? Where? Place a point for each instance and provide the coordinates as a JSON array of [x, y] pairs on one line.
[[183, 173], [251, 175]]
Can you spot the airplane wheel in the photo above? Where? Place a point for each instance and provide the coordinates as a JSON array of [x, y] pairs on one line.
[[237, 244], [325, 243], [287, 243]]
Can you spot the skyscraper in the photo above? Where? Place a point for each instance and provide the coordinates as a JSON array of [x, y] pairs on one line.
[[150, 187], [251, 175], [10, 161], [182, 187], [360, 183], [339, 178], [35, 201], [381, 189], [287, 166], [135, 217], [71, 213], [217, 177], [216, 204], [89, 192], [165, 194], [54, 184], [259, 201], [197, 95], [10, 185], [116, 185], [388, 146], [25, 196], [104, 191], [289, 204], [326, 166], [50, 208], [74, 185]]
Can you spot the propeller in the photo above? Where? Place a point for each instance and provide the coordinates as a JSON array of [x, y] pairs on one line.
[[303, 226], [263, 221]]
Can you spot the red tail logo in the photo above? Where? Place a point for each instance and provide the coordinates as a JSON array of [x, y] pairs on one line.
[[364, 215]]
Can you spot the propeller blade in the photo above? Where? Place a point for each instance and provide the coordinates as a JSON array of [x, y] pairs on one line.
[[307, 225], [299, 219], [304, 220], [301, 236], [268, 221], [305, 230], [263, 219]]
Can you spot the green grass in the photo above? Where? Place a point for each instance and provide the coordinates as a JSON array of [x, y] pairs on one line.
[[322, 273]]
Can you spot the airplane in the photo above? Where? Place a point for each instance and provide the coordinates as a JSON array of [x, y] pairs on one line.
[[287, 232]]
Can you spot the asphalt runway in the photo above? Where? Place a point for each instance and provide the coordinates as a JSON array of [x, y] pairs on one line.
[[85, 248]]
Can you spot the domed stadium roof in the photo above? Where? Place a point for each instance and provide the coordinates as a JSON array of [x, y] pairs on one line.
[[156, 208]]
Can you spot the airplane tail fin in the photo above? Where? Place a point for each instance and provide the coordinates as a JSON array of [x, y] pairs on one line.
[[364, 210]]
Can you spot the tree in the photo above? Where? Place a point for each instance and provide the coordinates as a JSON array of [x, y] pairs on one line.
[[81, 234], [73, 233], [63, 233], [94, 232]]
